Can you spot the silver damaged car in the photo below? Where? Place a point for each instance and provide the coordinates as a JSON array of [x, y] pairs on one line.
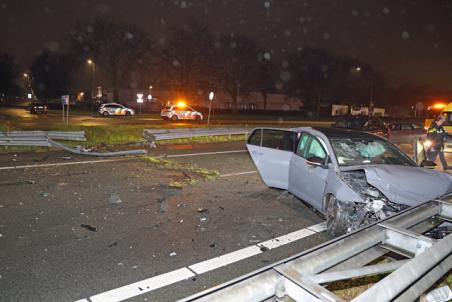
[[352, 178]]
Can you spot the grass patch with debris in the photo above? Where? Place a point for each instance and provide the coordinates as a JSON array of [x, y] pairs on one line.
[[190, 174]]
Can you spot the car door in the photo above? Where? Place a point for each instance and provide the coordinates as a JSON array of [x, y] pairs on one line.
[[306, 179], [271, 151]]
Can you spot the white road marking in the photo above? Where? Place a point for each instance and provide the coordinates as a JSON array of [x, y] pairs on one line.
[[63, 164], [285, 239], [141, 287], [223, 260], [238, 173], [205, 153], [320, 227], [156, 282]]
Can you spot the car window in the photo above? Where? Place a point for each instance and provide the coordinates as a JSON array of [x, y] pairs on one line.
[[255, 137], [367, 151], [407, 127], [315, 149], [301, 150], [372, 125], [279, 139]]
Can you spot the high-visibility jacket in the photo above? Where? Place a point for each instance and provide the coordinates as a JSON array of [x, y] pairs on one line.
[[437, 135]]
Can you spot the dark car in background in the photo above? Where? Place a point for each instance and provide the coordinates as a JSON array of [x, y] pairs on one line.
[[38, 108], [406, 132], [363, 123]]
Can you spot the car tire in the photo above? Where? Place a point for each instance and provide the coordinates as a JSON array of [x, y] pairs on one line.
[[174, 118], [336, 217], [128, 113], [198, 118], [105, 113]]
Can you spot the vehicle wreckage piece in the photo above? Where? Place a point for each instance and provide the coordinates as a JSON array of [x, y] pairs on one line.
[[352, 178]]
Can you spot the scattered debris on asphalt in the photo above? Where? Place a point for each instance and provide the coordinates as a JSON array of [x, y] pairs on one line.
[[202, 210], [163, 205], [212, 245], [113, 244], [44, 194], [114, 199], [203, 219], [89, 227], [25, 182], [173, 254], [264, 248]]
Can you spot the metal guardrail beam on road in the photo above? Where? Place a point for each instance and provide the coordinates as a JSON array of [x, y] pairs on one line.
[[304, 277], [154, 135], [17, 136]]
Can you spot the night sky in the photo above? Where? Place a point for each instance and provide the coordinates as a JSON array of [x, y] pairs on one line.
[[409, 41]]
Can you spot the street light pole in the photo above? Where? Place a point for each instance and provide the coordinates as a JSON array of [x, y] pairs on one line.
[[91, 62]]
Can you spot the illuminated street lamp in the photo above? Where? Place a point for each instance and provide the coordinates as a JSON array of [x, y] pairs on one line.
[[371, 100], [211, 95], [91, 62]]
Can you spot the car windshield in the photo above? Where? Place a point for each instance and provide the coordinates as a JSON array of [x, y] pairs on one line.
[[367, 151]]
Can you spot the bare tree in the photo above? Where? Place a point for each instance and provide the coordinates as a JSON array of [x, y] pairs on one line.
[[236, 65], [8, 76], [265, 79], [117, 48], [185, 56]]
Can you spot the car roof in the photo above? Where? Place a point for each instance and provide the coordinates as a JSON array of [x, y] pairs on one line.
[[112, 104], [344, 133]]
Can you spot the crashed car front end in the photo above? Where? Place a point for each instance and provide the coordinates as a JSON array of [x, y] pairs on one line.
[[359, 202]]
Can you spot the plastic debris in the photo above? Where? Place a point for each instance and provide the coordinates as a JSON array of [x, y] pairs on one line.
[[113, 244], [173, 254], [44, 194], [89, 227], [202, 210], [203, 219], [114, 199]]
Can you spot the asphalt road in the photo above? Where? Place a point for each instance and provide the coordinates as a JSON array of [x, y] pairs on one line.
[[92, 229], [72, 230]]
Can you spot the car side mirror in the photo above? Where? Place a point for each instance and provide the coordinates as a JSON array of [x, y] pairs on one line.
[[428, 164], [317, 161]]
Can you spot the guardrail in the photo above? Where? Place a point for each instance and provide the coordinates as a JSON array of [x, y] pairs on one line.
[[304, 277], [154, 135], [47, 139], [38, 138]]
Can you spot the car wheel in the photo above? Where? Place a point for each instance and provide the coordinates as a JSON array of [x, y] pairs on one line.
[[105, 113], [336, 217], [128, 113], [174, 118], [198, 118]]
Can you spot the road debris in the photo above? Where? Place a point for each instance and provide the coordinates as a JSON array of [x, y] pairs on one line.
[[202, 210], [44, 194], [114, 199], [163, 205], [203, 219], [113, 244], [264, 248], [173, 254], [89, 227]]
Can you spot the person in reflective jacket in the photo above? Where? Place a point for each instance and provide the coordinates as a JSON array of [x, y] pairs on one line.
[[437, 135]]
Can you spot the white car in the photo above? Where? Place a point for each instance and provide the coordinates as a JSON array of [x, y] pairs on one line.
[[115, 109], [176, 112], [352, 178]]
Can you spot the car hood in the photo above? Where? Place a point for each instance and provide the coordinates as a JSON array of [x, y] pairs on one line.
[[408, 185]]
